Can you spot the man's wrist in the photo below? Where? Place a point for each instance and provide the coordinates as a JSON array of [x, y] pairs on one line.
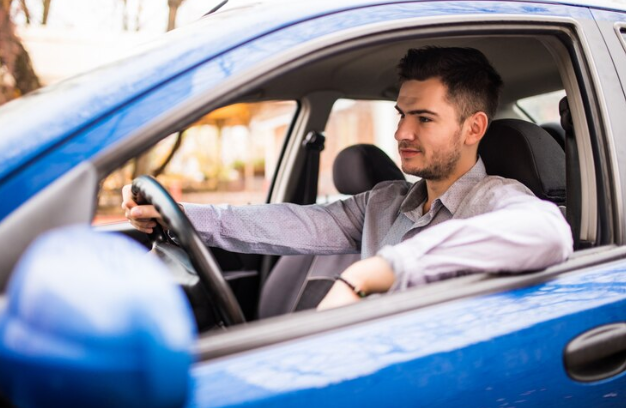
[[372, 275], [357, 290]]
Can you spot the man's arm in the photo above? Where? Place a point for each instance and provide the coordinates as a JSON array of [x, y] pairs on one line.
[[523, 234], [280, 229]]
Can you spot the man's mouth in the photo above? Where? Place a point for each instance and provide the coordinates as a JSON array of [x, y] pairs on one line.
[[406, 153]]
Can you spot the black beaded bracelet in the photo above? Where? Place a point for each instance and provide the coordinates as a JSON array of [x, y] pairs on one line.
[[358, 292]]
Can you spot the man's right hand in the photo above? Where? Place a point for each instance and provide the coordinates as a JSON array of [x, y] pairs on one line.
[[141, 217]]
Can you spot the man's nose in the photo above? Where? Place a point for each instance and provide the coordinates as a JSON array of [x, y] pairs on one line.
[[404, 131]]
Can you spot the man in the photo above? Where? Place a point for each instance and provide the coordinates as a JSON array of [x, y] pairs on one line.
[[455, 220]]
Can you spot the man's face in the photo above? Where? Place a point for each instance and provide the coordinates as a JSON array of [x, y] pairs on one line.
[[429, 134]]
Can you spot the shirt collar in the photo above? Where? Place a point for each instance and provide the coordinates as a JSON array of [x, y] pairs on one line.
[[452, 198]]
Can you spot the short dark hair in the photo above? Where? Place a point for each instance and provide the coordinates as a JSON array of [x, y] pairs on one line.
[[473, 85]]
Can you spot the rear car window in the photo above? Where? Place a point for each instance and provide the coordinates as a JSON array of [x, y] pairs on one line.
[[353, 122], [542, 108]]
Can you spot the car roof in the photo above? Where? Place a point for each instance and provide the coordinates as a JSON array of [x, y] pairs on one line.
[[332, 5], [25, 137]]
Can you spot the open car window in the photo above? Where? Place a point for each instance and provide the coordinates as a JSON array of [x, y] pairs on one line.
[[228, 156]]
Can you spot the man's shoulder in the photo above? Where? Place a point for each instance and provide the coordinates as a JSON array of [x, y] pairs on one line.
[[389, 192], [399, 186], [492, 193], [498, 184]]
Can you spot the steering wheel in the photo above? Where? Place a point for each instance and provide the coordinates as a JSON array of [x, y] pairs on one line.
[[146, 190]]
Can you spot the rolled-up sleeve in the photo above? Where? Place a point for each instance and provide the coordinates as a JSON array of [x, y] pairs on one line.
[[521, 233]]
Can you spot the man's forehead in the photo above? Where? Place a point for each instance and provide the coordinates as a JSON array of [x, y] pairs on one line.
[[411, 101], [415, 88], [428, 92]]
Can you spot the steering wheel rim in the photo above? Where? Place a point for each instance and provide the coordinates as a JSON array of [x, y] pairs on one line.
[[204, 263]]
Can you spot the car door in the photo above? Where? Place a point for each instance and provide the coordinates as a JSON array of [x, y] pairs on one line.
[[552, 338], [495, 350]]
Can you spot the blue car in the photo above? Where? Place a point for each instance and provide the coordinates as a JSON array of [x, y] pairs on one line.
[[261, 102]]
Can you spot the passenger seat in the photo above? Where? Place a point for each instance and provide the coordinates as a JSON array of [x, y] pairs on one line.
[[523, 151], [299, 282]]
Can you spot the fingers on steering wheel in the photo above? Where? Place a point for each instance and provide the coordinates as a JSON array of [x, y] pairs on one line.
[[145, 223], [142, 229], [144, 212], [127, 198]]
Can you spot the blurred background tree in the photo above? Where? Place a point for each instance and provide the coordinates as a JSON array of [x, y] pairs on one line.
[[173, 11], [23, 24], [46, 11], [23, 6], [17, 76]]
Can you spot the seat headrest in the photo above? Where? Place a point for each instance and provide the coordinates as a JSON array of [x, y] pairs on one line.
[[525, 152], [360, 167], [556, 131]]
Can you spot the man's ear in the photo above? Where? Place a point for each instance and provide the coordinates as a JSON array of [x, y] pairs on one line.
[[476, 127]]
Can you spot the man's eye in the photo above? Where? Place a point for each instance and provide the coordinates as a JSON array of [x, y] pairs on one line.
[[424, 119]]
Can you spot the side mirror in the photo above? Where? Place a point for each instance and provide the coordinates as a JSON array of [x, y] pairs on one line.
[[91, 320]]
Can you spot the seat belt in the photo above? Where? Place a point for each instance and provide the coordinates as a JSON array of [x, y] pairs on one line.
[[572, 171], [313, 145]]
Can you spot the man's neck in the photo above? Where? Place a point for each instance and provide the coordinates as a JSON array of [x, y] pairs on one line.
[[437, 188]]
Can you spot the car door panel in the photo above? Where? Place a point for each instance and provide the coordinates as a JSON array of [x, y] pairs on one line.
[[490, 351]]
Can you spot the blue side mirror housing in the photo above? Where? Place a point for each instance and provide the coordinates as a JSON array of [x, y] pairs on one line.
[[91, 320]]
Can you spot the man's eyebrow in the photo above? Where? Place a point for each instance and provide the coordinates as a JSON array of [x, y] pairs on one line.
[[415, 111]]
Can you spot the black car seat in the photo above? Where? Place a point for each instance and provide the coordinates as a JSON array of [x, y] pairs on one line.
[[299, 282], [556, 131], [525, 152]]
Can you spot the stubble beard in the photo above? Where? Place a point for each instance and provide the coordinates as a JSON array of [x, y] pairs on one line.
[[442, 163]]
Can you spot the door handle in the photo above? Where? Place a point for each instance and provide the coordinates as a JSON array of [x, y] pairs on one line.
[[597, 354]]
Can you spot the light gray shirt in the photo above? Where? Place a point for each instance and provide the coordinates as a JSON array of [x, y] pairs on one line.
[[480, 224]]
